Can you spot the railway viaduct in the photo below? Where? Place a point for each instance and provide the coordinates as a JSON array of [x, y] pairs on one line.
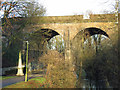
[[69, 26], [97, 24]]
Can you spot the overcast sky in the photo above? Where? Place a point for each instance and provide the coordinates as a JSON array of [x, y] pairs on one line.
[[72, 7], [75, 7]]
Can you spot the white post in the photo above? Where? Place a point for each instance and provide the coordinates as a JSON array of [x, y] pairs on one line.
[[20, 70]]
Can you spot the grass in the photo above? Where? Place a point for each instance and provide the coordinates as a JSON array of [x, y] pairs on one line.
[[6, 77], [37, 82]]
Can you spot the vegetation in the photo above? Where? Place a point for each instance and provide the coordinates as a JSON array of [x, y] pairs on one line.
[[12, 27], [57, 74], [6, 77], [37, 82], [98, 57], [94, 55], [56, 43]]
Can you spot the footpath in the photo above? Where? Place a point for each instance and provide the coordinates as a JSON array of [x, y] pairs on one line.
[[10, 81]]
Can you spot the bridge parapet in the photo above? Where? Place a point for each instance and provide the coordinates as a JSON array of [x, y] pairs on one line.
[[79, 18], [65, 19]]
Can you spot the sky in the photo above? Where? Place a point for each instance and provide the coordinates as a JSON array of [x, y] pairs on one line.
[[76, 7]]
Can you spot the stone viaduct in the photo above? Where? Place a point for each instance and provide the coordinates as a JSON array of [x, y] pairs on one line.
[[97, 24], [69, 26]]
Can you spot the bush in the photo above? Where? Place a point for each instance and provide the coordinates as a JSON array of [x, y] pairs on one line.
[[58, 74]]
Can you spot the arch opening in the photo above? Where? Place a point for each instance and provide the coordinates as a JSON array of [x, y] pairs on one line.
[[56, 43], [94, 30], [87, 32], [38, 46], [88, 48]]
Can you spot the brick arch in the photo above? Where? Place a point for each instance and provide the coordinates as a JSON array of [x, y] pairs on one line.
[[74, 28], [59, 28], [47, 33], [94, 30], [89, 31]]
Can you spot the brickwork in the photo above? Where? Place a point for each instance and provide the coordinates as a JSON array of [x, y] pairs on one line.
[[74, 28]]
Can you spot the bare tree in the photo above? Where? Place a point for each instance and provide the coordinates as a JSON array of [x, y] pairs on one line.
[[21, 8], [12, 26]]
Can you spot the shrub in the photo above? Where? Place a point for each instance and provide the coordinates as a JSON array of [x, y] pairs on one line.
[[58, 74]]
